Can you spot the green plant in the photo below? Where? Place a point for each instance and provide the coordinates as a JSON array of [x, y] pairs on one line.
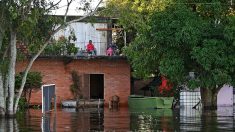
[[22, 103], [55, 48], [33, 81], [36, 107], [62, 46], [71, 48]]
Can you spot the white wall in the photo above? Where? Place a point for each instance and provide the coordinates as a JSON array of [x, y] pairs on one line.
[[85, 32], [225, 96]]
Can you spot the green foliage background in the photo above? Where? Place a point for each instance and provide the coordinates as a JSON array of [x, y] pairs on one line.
[[176, 37], [34, 80]]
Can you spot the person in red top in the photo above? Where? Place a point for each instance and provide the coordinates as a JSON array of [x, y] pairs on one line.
[[91, 48], [165, 87]]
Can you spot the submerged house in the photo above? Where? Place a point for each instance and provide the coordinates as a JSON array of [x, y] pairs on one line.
[[100, 76]]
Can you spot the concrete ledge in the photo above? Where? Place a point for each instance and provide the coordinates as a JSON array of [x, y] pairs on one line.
[[85, 103]]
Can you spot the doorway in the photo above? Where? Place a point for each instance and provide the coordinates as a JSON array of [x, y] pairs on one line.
[[96, 86]]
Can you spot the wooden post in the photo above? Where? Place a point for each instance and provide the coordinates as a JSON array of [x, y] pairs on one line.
[[55, 103]]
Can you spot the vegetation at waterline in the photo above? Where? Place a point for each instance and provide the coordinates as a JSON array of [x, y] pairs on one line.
[[33, 82]]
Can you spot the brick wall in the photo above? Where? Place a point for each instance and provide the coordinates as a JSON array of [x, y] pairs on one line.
[[55, 71]]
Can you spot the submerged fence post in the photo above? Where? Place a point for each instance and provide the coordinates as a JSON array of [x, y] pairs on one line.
[[55, 103]]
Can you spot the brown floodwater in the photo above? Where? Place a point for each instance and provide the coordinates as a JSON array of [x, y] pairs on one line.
[[166, 120]]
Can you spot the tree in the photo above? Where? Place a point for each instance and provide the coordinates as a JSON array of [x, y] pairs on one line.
[[189, 37], [21, 22], [33, 81], [132, 16]]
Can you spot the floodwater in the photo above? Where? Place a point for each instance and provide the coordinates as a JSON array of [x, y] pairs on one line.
[[166, 120]]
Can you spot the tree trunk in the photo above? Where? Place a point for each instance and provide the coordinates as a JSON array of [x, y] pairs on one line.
[[26, 73], [11, 91], [3, 124], [209, 117], [209, 98], [6, 85], [2, 97], [1, 38], [29, 97]]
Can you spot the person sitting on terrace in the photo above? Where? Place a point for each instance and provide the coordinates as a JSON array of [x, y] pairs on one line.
[[91, 48], [109, 50]]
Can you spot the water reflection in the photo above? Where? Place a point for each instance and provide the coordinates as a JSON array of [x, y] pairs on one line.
[[83, 120], [190, 119], [69, 120], [201, 120], [152, 119], [117, 120], [49, 122], [8, 125]]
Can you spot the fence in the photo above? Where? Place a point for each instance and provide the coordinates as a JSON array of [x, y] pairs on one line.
[[189, 98], [64, 50]]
